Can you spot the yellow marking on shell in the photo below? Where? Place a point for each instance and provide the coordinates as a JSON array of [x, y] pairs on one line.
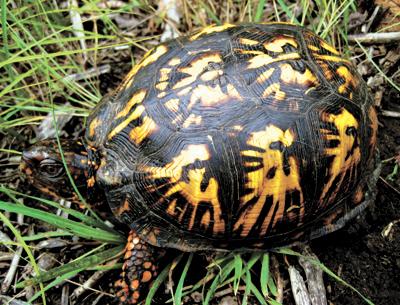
[[198, 51], [136, 98], [126, 84], [274, 88], [193, 193], [162, 86], [209, 96], [177, 119], [211, 29], [325, 69], [265, 59], [184, 92], [291, 76], [331, 58], [172, 104], [192, 120], [249, 52], [263, 187], [139, 133], [171, 207], [233, 93], [328, 47], [265, 75], [249, 42], [93, 125], [133, 116], [205, 219], [196, 68], [313, 47], [174, 61], [191, 190], [162, 94], [164, 74], [277, 44], [148, 58], [348, 77], [210, 75], [237, 127], [340, 165]]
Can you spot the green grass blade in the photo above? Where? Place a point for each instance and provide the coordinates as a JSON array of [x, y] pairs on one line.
[[211, 290], [264, 274], [156, 284], [247, 281], [84, 218], [272, 287], [76, 265], [260, 298], [71, 226], [56, 282], [238, 272], [28, 251], [179, 288], [259, 11]]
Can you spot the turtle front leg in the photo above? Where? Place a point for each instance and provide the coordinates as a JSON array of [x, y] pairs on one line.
[[138, 270]]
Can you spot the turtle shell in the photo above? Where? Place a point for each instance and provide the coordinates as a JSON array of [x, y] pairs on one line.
[[238, 136]]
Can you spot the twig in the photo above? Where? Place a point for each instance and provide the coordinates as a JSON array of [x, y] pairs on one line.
[[92, 72], [5, 256], [227, 291], [11, 301], [89, 283], [64, 295], [390, 114], [172, 18], [299, 289], [77, 25], [315, 282], [389, 185], [46, 128], [11, 271], [375, 37], [372, 18], [278, 278]]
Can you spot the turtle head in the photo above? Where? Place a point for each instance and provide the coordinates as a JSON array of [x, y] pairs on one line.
[[43, 166]]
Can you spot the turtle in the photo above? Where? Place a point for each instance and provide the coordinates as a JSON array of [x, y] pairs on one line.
[[239, 136]]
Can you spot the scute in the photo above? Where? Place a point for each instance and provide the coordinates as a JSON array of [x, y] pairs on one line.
[[250, 135]]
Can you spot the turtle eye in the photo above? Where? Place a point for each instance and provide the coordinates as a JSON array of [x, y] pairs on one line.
[[51, 168]]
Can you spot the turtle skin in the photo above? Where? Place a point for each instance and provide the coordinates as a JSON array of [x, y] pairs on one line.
[[249, 136]]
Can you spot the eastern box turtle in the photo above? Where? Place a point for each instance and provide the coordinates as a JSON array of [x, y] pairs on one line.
[[246, 136]]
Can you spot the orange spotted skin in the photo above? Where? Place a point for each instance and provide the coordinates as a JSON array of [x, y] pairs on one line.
[[138, 271], [250, 136]]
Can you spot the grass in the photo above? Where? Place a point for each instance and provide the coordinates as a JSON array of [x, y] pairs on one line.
[[40, 52]]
